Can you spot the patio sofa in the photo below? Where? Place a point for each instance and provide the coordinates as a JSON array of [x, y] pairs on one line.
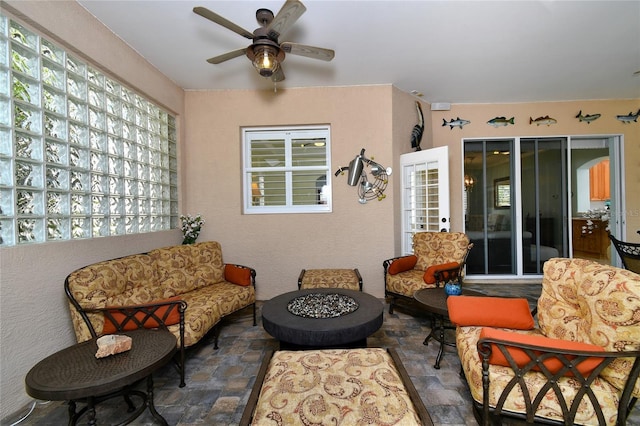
[[186, 289], [579, 365]]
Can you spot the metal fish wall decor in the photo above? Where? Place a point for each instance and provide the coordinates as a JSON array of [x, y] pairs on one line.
[[543, 120], [458, 122], [587, 118], [629, 117], [500, 121]]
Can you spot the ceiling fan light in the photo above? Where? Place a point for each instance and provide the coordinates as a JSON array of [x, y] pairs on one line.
[[265, 60]]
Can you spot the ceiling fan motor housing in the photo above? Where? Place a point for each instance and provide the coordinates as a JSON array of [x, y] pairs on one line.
[[265, 53]]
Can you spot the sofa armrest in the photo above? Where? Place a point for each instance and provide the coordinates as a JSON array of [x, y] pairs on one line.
[[569, 360], [150, 315]]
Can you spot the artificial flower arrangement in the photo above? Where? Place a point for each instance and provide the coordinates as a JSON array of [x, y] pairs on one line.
[[191, 226]]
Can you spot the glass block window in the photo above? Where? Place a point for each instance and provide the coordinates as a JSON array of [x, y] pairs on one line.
[[81, 154], [286, 170]]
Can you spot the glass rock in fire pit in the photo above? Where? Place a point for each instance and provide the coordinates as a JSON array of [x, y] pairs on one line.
[[322, 305]]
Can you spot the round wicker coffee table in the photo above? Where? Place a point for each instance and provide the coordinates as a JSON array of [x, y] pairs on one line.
[[74, 374], [350, 329]]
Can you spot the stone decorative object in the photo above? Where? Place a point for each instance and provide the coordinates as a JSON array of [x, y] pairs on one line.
[[322, 305], [112, 344]]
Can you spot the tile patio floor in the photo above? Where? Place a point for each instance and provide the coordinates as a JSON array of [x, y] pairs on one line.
[[219, 381]]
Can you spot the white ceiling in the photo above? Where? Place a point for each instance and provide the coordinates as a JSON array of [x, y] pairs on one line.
[[450, 51]]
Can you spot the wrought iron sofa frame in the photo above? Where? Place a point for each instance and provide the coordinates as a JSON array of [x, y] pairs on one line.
[[150, 312], [486, 415]]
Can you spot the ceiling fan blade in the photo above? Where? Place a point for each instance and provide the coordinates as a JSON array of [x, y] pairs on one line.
[[278, 76], [308, 51], [214, 17], [286, 17], [226, 56]]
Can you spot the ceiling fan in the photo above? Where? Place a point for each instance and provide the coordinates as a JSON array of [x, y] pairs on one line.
[[266, 52]]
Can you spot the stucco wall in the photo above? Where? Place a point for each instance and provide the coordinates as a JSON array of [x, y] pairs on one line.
[[278, 246], [34, 317]]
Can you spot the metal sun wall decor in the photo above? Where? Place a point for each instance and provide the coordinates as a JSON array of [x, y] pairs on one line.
[[358, 177]]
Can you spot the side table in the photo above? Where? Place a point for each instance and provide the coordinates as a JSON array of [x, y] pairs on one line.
[[434, 301], [74, 374]]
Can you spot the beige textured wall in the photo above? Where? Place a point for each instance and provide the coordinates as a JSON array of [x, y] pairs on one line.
[[34, 316], [278, 246], [568, 125]]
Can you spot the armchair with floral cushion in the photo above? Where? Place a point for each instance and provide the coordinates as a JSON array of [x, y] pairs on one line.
[[578, 365], [438, 258]]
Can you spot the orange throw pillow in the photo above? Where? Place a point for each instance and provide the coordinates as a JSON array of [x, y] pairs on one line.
[[553, 363], [430, 273], [402, 264], [237, 275], [502, 312], [172, 318]]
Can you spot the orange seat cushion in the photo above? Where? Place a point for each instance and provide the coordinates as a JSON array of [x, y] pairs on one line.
[[503, 312], [402, 264], [172, 318], [237, 275], [553, 363]]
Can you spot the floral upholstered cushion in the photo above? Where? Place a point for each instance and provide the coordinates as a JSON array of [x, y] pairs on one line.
[[207, 305], [187, 267], [128, 280], [588, 302], [466, 341], [436, 248], [334, 387], [407, 282], [330, 278]]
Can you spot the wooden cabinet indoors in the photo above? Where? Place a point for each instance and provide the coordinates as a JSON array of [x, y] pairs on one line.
[[590, 243]]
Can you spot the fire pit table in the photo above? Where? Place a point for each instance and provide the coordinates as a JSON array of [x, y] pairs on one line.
[[322, 318]]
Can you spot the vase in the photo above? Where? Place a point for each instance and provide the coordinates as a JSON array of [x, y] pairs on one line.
[[189, 240], [453, 288]]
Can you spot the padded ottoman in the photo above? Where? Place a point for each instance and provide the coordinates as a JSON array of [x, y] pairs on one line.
[[334, 387], [330, 278]]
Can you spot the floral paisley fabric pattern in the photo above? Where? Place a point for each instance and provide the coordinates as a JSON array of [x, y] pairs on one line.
[[466, 340], [586, 301], [581, 301], [334, 387], [194, 272], [330, 278], [436, 248], [431, 248], [407, 282]]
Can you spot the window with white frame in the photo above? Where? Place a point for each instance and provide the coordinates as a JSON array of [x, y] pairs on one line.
[[286, 170], [81, 154]]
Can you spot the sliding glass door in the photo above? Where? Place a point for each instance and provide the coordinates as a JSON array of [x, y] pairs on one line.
[[544, 200], [489, 195], [527, 200]]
